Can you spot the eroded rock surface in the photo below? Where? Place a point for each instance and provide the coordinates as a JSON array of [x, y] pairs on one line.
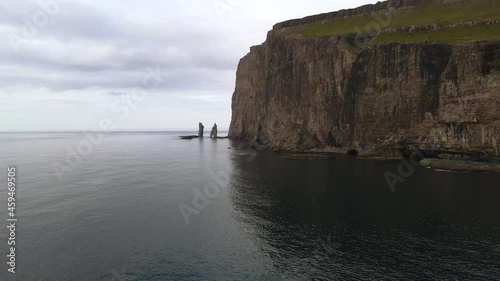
[[301, 93]]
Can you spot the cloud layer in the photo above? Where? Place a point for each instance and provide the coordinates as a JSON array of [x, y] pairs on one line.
[[65, 62]]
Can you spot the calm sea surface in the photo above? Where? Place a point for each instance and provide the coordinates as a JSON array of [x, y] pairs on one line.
[[252, 216]]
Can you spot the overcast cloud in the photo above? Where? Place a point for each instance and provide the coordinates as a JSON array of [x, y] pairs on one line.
[[64, 66]]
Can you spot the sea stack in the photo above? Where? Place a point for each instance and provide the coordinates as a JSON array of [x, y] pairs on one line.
[[213, 133], [200, 130]]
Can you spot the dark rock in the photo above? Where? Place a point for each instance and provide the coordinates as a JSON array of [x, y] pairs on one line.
[[200, 130], [308, 156], [213, 133], [352, 152], [188, 137], [463, 166]]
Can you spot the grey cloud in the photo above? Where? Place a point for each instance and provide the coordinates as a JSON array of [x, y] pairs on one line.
[[116, 93], [104, 47], [60, 80], [59, 100], [87, 47]]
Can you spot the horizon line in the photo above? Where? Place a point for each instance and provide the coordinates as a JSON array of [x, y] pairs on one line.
[[121, 130]]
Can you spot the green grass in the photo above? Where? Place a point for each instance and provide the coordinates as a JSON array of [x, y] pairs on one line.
[[494, 64], [448, 35], [339, 26], [433, 13], [295, 126]]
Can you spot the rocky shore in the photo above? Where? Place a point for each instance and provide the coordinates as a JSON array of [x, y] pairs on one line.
[[462, 166], [434, 163]]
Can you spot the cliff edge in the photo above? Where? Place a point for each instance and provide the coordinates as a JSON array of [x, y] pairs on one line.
[[381, 79]]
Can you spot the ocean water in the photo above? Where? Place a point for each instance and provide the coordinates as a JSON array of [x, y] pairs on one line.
[[115, 214]]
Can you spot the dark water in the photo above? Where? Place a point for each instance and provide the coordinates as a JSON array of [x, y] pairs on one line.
[[116, 215]]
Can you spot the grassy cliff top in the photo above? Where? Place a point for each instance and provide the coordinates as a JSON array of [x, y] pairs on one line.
[[439, 14], [460, 34]]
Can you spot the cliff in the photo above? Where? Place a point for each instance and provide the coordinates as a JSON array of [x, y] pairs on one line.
[[379, 79]]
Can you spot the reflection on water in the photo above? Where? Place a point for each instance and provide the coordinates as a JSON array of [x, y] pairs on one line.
[[117, 215], [338, 219]]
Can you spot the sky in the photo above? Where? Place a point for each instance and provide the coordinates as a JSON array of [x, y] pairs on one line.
[[150, 65]]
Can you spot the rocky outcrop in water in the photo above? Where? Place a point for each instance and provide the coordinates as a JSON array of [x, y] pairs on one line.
[[213, 133], [319, 93], [200, 130]]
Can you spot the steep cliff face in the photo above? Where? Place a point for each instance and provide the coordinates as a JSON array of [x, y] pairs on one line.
[[298, 92]]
